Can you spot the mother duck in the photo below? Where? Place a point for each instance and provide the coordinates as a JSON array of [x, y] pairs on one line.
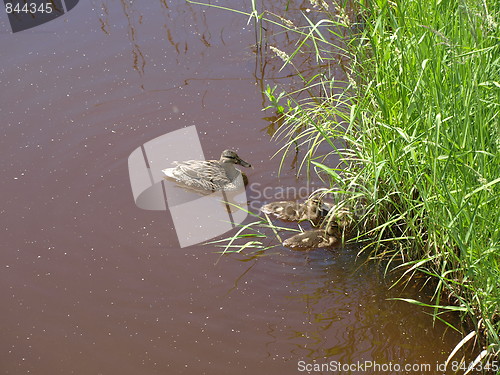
[[210, 175]]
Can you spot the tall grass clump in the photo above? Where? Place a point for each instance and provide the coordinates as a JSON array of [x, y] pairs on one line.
[[429, 134], [418, 115]]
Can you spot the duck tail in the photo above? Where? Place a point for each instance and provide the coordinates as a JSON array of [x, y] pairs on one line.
[[169, 172]]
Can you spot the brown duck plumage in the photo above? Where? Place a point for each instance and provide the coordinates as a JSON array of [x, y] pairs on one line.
[[314, 238], [210, 175], [312, 210]]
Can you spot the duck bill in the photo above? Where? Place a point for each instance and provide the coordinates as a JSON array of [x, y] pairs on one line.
[[244, 163]]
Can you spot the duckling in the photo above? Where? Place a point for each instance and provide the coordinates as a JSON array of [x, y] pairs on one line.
[[210, 175], [314, 238], [312, 209], [343, 217]]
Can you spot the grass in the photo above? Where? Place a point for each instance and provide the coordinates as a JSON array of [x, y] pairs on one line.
[[417, 116]]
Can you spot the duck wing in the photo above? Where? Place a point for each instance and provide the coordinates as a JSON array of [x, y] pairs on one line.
[[207, 174]]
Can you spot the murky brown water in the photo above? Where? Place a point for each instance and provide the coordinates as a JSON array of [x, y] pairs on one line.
[[90, 284]]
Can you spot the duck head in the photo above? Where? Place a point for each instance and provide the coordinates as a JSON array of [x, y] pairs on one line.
[[312, 210], [315, 209], [231, 157]]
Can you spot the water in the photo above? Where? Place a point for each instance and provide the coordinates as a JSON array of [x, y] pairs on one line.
[[90, 284]]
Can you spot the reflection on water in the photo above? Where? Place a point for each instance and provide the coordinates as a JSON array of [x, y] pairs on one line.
[[91, 284]]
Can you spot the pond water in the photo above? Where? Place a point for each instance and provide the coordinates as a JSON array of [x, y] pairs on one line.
[[91, 284]]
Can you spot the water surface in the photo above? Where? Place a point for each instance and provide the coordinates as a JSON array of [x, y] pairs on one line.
[[90, 284]]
